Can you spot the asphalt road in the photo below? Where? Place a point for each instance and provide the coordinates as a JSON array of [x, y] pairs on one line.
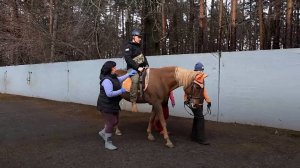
[[41, 133]]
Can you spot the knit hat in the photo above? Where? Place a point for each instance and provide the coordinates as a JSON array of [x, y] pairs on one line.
[[199, 67]]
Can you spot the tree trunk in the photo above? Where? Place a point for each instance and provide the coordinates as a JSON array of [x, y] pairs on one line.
[[191, 31], [164, 26], [202, 26], [277, 13], [151, 37], [14, 56], [289, 17], [220, 25], [298, 25], [269, 26], [249, 31], [122, 24], [51, 17], [243, 28], [128, 23], [174, 39], [233, 25], [212, 34], [53, 29], [261, 25]]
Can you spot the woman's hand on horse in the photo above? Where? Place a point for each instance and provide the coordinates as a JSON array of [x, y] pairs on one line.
[[123, 90], [132, 73]]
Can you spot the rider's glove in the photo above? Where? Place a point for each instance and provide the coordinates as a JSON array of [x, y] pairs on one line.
[[132, 73], [123, 90], [140, 69]]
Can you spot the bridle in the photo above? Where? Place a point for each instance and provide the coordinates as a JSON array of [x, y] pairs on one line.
[[189, 103], [191, 97]]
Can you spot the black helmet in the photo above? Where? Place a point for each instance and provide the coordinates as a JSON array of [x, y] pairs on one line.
[[136, 32]]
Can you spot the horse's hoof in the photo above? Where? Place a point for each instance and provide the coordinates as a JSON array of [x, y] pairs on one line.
[[170, 145], [118, 132], [134, 108], [151, 138]]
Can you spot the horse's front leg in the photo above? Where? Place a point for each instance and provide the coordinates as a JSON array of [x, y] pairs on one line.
[[149, 129], [164, 126]]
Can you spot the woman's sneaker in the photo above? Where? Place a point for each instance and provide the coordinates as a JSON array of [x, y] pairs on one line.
[[102, 135]]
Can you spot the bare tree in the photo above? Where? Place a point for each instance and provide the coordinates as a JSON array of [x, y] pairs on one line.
[[220, 24], [53, 26], [233, 25], [276, 24], [202, 25], [269, 25], [297, 24], [289, 21], [191, 28], [164, 28], [262, 43], [34, 31], [151, 29]]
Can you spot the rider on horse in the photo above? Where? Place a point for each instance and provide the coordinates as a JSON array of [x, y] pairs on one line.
[[135, 60]]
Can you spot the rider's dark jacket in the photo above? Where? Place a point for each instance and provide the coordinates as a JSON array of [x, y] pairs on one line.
[[134, 57]]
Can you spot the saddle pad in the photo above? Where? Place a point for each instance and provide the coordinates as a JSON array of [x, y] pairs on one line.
[[127, 82]]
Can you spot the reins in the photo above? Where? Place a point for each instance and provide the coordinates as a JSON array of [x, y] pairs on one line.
[[191, 106], [208, 110]]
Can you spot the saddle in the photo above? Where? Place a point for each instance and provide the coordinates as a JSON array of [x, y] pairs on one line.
[[143, 82]]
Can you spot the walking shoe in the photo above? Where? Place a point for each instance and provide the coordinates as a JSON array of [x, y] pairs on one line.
[[102, 134], [108, 143], [201, 141]]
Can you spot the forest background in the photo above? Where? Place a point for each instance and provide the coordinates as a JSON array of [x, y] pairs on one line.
[[42, 31]]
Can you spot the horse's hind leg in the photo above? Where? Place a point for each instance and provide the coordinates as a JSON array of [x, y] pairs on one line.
[[149, 129]]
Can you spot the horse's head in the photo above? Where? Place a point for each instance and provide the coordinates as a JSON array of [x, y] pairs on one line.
[[195, 92]]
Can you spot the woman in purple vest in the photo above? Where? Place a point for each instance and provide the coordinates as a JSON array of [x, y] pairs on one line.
[[109, 99]]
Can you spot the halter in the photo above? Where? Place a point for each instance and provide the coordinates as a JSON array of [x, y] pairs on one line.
[[190, 104]]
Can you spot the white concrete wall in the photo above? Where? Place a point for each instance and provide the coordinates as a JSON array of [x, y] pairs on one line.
[[84, 80], [261, 88], [257, 87], [49, 81], [16, 80], [2, 79]]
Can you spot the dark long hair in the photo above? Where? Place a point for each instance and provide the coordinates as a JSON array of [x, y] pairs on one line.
[[106, 68]]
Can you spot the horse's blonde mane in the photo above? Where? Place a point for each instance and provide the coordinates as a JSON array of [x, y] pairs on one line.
[[185, 77]]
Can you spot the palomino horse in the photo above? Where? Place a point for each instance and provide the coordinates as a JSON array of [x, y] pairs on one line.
[[161, 82]]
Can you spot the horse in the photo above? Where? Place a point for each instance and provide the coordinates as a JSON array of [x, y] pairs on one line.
[[161, 82]]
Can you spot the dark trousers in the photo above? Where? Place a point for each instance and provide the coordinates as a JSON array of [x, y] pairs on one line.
[[110, 120], [198, 132]]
